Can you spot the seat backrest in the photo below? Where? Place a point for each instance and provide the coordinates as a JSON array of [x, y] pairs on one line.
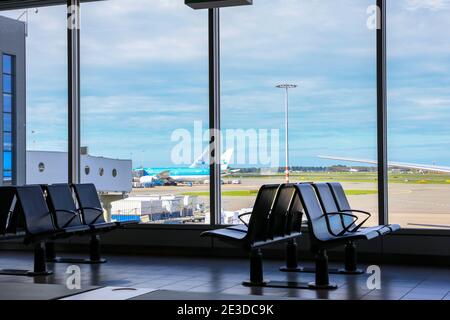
[[280, 222], [62, 205], [341, 200], [258, 226], [8, 211], [317, 224], [88, 200], [37, 216], [294, 221], [329, 205]]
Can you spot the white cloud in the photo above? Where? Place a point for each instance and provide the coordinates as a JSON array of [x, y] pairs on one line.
[[428, 4], [144, 70]]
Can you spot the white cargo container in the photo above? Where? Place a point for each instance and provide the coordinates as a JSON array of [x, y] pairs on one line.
[[137, 206]]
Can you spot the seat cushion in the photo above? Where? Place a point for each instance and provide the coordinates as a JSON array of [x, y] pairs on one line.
[[239, 227], [361, 234], [103, 226], [394, 227], [285, 238], [380, 229], [126, 223], [368, 234], [227, 234], [76, 229], [383, 229]]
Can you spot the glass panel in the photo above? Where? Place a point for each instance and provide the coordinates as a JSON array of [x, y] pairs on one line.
[[7, 161], [7, 64], [145, 108], [329, 52], [7, 141], [419, 113], [7, 122], [7, 177], [7, 83], [46, 92], [7, 102]]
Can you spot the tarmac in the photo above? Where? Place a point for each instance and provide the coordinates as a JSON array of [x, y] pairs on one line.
[[410, 205]]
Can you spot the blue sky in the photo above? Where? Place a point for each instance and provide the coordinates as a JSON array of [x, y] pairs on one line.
[[144, 74]]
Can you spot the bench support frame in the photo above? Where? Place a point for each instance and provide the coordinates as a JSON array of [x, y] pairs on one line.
[[291, 258], [40, 265], [351, 267], [322, 277], [94, 253], [257, 275]]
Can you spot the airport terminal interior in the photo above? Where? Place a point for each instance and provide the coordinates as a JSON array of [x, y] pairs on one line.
[[183, 150]]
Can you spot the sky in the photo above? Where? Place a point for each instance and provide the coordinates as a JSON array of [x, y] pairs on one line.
[[144, 74]]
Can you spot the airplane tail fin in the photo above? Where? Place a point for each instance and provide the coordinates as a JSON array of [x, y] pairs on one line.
[[225, 159], [201, 160]]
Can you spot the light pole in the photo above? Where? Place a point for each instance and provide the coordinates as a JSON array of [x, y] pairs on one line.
[[25, 13], [287, 87]]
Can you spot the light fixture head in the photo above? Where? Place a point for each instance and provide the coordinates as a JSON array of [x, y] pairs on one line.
[[287, 86], [210, 4]]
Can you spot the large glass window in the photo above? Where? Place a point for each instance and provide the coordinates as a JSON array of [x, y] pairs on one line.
[[46, 94], [419, 113], [145, 109], [145, 105], [7, 95], [328, 51]]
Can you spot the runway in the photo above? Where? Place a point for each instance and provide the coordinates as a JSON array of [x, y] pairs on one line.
[[410, 205]]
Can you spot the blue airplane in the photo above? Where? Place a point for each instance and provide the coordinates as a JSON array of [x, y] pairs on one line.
[[197, 172]]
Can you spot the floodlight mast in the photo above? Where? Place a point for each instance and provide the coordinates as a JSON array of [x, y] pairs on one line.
[[286, 87]]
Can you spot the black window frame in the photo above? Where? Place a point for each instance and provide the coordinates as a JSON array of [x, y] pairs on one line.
[[214, 111], [11, 112]]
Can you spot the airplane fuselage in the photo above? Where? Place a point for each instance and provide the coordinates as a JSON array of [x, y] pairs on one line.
[[179, 174]]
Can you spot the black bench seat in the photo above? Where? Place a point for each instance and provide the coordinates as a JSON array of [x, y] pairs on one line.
[[91, 209], [275, 218], [328, 228], [343, 205], [28, 217], [60, 199]]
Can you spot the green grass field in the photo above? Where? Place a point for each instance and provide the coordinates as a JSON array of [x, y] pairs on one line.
[[232, 193], [408, 178], [253, 193]]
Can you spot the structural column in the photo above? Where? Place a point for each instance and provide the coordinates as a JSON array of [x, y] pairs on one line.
[[214, 115], [382, 114], [73, 56]]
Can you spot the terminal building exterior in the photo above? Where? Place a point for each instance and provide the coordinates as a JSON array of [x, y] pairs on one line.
[[13, 101]]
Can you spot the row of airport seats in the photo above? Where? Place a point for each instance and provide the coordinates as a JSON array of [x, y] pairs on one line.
[[277, 217], [41, 214]]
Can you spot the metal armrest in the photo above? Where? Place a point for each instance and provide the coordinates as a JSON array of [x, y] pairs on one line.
[[357, 211], [346, 228], [75, 214], [359, 225], [243, 215], [96, 209]]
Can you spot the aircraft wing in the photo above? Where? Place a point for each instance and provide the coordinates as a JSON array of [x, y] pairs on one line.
[[230, 172], [405, 165]]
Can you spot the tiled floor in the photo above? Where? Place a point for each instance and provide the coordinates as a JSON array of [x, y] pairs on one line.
[[225, 276]]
